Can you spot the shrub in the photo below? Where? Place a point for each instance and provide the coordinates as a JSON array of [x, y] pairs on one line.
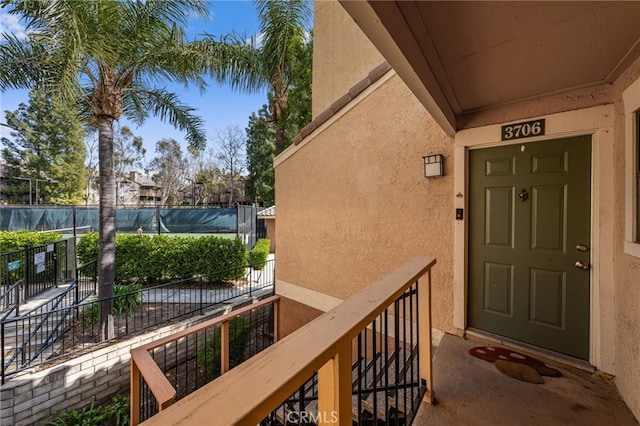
[[87, 248], [92, 313], [16, 240], [259, 253], [210, 355], [116, 414], [126, 298], [144, 257]]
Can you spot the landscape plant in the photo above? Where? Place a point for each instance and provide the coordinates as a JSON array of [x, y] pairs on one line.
[[16, 240], [126, 299], [259, 253], [115, 414], [149, 258]]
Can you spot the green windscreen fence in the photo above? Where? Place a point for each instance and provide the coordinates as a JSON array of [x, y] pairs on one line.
[[179, 220]]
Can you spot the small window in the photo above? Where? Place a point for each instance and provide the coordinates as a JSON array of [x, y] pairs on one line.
[[631, 101]]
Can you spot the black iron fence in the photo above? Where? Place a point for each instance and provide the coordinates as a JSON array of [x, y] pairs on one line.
[[195, 359], [27, 338], [39, 267], [386, 385], [69, 323]]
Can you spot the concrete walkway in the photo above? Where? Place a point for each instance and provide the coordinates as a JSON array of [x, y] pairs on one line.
[[470, 391], [173, 295], [256, 283]]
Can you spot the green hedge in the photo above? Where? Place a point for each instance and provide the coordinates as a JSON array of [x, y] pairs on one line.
[[87, 248], [160, 256], [16, 240], [259, 253]]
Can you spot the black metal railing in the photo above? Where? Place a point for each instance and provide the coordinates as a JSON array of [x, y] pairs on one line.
[[178, 299], [68, 323], [10, 300], [40, 267], [87, 281], [27, 340], [194, 359], [386, 386]]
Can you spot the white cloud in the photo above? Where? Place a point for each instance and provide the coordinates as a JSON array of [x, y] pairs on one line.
[[11, 24]]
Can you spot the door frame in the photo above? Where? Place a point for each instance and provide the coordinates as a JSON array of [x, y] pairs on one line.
[[598, 122]]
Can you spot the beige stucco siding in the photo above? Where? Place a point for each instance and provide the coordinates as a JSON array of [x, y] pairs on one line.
[[627, 278], [271, 234], [353, 203], [342, 54]]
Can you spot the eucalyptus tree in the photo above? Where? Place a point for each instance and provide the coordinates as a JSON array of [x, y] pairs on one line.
[[128, 151], [271, 59], [170, 167], [110, 59]]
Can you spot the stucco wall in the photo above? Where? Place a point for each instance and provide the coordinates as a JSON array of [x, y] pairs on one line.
[[271, 234], [353, 202], [342, 54], [627, 291], [294, 315]]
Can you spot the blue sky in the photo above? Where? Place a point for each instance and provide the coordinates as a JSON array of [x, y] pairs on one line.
[[218, 106]]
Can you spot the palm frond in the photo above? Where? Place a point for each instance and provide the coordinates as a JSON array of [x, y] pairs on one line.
[[134, 107], [167, 107], [281, 23], [234, 61], [20, 63], [171, 57]]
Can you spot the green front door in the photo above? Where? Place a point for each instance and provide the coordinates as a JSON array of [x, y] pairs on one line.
[[529, 226]]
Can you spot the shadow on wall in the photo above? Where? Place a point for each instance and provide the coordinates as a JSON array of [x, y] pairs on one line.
[[36, 396]]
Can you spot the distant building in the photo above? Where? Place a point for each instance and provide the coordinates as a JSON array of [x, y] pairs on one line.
[[149, 192]]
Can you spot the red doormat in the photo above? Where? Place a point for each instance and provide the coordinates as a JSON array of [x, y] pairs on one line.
[[491, 354]]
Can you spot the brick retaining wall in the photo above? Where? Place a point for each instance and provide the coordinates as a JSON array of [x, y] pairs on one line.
[[33, 397]]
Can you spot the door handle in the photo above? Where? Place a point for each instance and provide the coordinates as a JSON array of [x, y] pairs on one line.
[[582, 265], [582, 248]]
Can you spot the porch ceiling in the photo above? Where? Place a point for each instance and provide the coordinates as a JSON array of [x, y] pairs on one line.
[[459, 57]]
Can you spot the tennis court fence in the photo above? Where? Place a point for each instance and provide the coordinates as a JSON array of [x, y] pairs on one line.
[[155, 220]]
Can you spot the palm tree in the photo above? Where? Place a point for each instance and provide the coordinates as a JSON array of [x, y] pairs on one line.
[[269, 60], [107, 57]]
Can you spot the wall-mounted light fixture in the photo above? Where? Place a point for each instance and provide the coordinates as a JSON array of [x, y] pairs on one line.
[[433, 165]]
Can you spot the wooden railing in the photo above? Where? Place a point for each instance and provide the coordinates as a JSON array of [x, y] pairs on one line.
[[252, 390], [144, 367]]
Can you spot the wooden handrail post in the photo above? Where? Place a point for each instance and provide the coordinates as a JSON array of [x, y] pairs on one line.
[[224, 347], [134, 395], [424, 327], [334, 388], [276, 320]]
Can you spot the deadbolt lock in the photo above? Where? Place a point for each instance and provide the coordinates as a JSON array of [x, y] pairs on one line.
[[523, 195]]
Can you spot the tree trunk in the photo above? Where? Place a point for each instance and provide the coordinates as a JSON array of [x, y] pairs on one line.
[[107, 231], [279, 107], [279, 139]]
